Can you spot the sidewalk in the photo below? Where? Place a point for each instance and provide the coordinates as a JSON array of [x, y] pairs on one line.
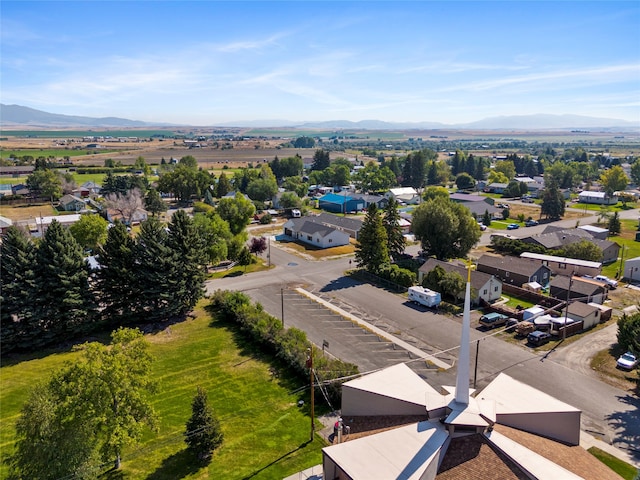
[[587, 441]]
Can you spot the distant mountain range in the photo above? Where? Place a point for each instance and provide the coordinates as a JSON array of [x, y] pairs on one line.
[[20, 116]]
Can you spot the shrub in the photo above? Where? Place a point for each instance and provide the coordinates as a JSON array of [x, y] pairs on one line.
[[290, 345], [265, 219]]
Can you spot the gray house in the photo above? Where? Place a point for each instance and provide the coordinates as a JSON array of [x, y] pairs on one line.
[[514, 270], [578, 288], [484, 286]]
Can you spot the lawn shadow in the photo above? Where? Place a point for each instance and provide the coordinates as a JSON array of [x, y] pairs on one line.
[[178, 465], [301, 446]]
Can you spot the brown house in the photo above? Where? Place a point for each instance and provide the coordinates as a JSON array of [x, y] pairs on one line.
[[514, 270]]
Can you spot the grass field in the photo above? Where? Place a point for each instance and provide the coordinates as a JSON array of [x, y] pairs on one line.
[[48, 152], [626, 471], [266, 433]]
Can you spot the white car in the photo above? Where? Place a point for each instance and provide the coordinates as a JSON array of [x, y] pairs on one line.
[[612, 283], [628, 361]]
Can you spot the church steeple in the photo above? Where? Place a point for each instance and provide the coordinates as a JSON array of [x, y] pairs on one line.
[[462, 378]]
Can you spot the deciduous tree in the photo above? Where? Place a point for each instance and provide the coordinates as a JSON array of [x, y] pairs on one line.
[[445, 229], [553, 205], [90, 231], [614, 179], [237, 212], [125, 204]]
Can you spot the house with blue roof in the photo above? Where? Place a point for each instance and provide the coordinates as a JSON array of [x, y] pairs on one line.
[[335, 203]]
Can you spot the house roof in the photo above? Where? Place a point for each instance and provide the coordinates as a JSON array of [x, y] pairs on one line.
[[348, 223], [581, 309], [403, 191], [567, 260], [518, 265], [65, 199], [578, 285], [308, 226], [335, 198], [369, 198], [467, 197], [5, 222], [478, 279]]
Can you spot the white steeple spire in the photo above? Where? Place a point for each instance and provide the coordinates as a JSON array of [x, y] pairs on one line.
[[462, 379]]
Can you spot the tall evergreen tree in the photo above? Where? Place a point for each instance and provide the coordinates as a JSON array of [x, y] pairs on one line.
[[190, 256], [391, 221], [371, 249], [614, 224], [117, 287], [62, 302], [155, 273], [552, 200], [321, 160], [203, 434], [17, 286], [223, 186], [153, 202]]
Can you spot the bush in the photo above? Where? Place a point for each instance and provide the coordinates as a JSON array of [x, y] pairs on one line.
[[265, 219], [290, 345], [201, 207], [395, 274]]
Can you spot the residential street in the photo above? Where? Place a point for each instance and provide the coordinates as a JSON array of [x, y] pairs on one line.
[[609, 414]]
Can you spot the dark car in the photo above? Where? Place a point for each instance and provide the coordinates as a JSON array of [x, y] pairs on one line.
[[531, 223], [511, 324], [538, 338]]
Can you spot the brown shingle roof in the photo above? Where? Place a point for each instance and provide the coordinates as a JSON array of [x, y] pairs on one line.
[[574, 458], [472, 458]]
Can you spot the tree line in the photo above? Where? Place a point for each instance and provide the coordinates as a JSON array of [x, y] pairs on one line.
[[50, 294]]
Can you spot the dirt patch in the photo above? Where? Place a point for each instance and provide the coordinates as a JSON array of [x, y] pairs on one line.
[[604, 364], [27, 212]]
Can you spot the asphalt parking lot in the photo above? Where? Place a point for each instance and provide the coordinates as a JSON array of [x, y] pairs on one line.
[[342, 337]]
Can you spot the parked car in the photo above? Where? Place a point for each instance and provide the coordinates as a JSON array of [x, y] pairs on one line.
[[511, 324], [493, 320], [531, 223], [628, 361], [513, 226], [538, 338], [613, 284], [527, 200], [482, 226]]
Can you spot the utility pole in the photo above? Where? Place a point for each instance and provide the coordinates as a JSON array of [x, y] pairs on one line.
[[310, 366], [475, 370], [282, 304], [566, 311], [269, 251]]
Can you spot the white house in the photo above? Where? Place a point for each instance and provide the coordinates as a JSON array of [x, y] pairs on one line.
[[316, 234], [404, 194], [632, 268], [599, 198]]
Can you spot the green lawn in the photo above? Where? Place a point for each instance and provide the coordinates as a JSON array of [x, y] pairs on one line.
[[625, 470], [266, 433]]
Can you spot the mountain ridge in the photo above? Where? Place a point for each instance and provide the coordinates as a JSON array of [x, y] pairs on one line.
[[18, 115]]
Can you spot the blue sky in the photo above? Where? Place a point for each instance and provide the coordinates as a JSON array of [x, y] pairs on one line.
[[207, 63]]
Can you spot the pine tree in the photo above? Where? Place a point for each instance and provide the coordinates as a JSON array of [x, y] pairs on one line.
[[371, 250], [614, 224], [203, 434], [391, 221], [189, 254], [155, 273], [116, 278], [62, 302], [223, 186], [321, 160], [17, 285], [552, 200]]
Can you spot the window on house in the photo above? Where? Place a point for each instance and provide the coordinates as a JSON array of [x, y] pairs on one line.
[[331, 240], [506, 274], [484, 292], [495, 289], [310, 238], [544, 275], [534, 278], [562, 266]]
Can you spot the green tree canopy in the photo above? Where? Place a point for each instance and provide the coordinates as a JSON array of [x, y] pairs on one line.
[[46, 183], [464, 181], [215, 234], [153, 202], [614, 179], [237, 212], [445, 229], [371, 249], [90, 231], [321, 160], [223, 186]]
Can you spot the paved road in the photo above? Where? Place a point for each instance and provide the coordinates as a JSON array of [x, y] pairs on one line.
[[608, 413]]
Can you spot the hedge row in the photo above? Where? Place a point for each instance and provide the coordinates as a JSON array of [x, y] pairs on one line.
[[395, 274], [291, 344]]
